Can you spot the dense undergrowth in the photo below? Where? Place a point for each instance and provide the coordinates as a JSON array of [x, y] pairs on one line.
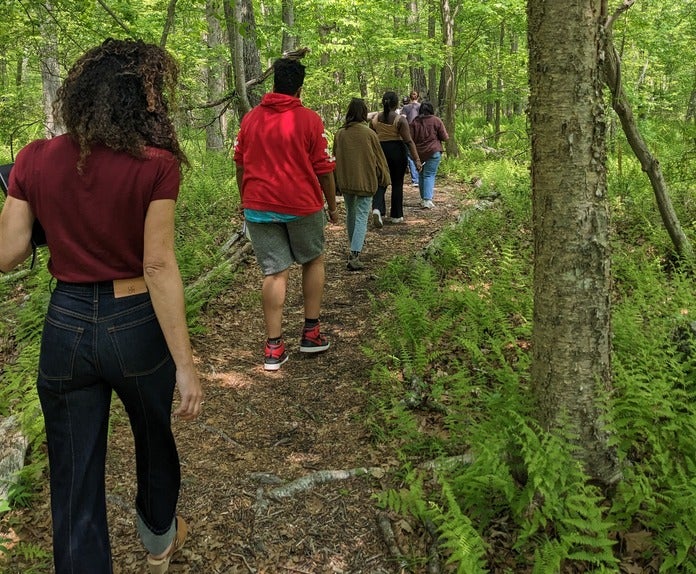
[[457, 339]]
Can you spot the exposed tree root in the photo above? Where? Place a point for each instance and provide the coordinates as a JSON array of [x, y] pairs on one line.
[[320, 477]]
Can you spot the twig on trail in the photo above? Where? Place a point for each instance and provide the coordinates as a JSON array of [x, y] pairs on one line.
[[390, 540], [252, 570], [266, 478], [321, 476], [458, 460], [217, 431], [15, 276], [433, 550]]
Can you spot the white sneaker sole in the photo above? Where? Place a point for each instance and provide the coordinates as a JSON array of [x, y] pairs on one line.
[[377, 220], [315, 349]]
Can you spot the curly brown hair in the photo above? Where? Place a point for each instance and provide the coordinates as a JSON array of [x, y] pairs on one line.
[[115, 95]]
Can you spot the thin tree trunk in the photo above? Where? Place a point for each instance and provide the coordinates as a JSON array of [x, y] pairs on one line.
[[216, 126], [169, 22], [649, 164], [50, 71], [288, 14], [233, 19], [448, 78]]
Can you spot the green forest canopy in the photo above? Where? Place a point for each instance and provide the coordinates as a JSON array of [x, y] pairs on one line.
[[357, 48]]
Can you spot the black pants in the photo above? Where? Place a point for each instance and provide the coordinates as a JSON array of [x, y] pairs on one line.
[[395, 152]]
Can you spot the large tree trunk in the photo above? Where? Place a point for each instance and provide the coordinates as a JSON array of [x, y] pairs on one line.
[[417, 73], [431, 92], [571, 335]]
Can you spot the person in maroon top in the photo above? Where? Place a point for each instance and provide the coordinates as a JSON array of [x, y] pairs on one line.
[[105, 194], [428, 133]]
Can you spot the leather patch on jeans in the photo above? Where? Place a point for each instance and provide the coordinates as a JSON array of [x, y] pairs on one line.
[[128, 287]]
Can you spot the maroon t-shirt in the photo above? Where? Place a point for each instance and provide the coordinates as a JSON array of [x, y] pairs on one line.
[[94, 221]]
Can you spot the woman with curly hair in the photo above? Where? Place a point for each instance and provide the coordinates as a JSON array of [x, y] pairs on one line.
[[105, 194]]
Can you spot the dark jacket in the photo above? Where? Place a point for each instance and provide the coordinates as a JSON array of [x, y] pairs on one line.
[[428, 133]]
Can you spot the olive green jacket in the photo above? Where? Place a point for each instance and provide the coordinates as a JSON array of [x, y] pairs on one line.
[[360, 162]]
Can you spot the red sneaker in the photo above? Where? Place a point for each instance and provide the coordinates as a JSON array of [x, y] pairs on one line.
[[274, 356], [313, 341]]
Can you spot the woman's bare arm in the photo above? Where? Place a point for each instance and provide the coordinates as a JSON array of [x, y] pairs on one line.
[[163, 279]]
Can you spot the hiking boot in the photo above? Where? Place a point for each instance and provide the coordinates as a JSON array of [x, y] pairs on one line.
[[274, 356], [377, 219], [354, 263], [313, 341], [161, 565]]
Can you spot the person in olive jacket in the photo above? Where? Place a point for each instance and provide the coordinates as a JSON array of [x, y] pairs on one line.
[[360, 168]]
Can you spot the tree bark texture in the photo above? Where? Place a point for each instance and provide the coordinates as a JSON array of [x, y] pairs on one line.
[[571, 336]]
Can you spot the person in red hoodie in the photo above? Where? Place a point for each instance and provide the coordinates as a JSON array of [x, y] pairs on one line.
[[284, 175]]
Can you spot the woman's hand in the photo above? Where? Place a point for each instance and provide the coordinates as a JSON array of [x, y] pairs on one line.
[[333, 215], [191, 392]]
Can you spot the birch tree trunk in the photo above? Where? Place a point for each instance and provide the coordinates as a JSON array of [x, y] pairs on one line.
[[447, 81], [50, 71], [216, 80], [571, 366]]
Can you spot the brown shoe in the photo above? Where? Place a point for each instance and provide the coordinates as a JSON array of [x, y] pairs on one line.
[[161, 565]]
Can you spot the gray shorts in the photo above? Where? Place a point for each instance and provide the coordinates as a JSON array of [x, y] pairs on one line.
[[278, 245]]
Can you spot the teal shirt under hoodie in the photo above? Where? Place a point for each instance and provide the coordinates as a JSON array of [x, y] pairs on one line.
[[360, 162]]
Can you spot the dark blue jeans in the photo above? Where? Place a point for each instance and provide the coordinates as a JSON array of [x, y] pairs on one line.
[[94, 344]]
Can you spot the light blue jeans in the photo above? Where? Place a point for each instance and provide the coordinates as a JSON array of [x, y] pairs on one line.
[[358, 208], [426, 183], [412, 169]]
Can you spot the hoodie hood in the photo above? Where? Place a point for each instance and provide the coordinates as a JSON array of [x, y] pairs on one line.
[[280, 102]]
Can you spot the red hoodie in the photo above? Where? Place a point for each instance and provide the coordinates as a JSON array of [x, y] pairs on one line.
[[282, 147]]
